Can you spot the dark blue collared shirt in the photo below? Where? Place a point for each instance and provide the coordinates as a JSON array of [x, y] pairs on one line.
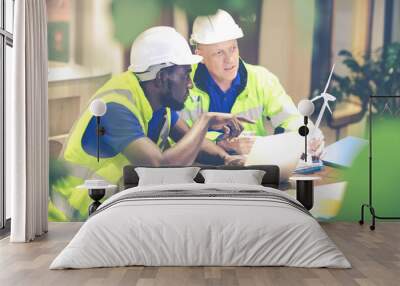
[[220, 101]]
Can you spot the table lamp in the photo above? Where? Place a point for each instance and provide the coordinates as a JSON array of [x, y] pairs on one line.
[[97, 188], [306, 108], [98, 108]]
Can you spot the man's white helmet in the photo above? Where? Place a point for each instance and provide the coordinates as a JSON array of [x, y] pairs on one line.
[[159, 47], [216, 28]]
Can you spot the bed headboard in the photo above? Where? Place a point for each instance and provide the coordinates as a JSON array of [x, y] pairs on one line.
[[270, 179]]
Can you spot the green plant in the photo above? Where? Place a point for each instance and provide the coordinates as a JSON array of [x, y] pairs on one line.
[[131, 17], [376, 74]]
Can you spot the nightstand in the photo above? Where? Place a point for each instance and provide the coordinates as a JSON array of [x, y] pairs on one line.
[[305, 190]]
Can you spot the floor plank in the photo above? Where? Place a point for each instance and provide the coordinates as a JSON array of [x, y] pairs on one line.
[[374, 255]]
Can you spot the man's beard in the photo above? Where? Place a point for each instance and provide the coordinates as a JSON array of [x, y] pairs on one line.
[[173, 103]]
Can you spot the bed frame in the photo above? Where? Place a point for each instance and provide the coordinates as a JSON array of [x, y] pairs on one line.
[[270, 179]]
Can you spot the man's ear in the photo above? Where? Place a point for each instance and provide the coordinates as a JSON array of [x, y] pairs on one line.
[[197, 51], [161, 79]]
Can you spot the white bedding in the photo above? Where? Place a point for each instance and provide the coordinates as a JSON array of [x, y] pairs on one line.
[[189, 230]]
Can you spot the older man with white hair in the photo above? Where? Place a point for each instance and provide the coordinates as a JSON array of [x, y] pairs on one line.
[[223, 82]]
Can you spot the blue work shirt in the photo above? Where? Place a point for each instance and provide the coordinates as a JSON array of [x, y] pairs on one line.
[[121, 128], [220, 101]]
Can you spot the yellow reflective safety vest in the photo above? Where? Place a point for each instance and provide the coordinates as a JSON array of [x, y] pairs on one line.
[[123, 89], [262, 97]]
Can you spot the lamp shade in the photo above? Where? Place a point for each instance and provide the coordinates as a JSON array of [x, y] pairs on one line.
[[98, 107], [305, 107]]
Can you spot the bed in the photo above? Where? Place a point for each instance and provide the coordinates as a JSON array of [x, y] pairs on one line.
[[198, 224]]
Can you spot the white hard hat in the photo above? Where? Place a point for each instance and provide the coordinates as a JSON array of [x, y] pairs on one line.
[[160, 46], [216, 28]]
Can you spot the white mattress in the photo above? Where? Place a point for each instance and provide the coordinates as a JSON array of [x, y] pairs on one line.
[[190, 230]]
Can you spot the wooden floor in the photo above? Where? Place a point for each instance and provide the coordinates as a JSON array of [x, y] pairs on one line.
[[375, 257]]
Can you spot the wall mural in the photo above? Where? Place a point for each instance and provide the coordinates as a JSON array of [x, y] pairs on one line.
[[149, 111]]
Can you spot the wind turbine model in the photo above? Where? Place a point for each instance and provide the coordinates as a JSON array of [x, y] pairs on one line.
[[327, 97]]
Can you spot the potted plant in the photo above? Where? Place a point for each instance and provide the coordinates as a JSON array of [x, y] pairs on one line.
[[375, 74]]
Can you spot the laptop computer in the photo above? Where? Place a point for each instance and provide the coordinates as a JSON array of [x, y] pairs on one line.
[[343, 152], [283, 150]]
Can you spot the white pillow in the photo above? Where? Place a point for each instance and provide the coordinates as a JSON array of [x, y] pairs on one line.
[[248, 177], [164, 176]]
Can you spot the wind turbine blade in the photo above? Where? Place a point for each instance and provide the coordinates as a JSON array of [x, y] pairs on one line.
[[321, 112], [327, 105], [330, 97], [317, 97], [329, 79]]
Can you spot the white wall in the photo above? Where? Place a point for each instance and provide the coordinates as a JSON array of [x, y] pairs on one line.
[[341, 36], [378, 25], [101, 51], [286, 38], [396, 22], [93, 49]]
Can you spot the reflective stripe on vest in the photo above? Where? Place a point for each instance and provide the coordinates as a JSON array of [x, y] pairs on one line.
[[80, 171], [193, 115], [164, 134], [252, 113], [281, 117], [123, 92], [123, 89]]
